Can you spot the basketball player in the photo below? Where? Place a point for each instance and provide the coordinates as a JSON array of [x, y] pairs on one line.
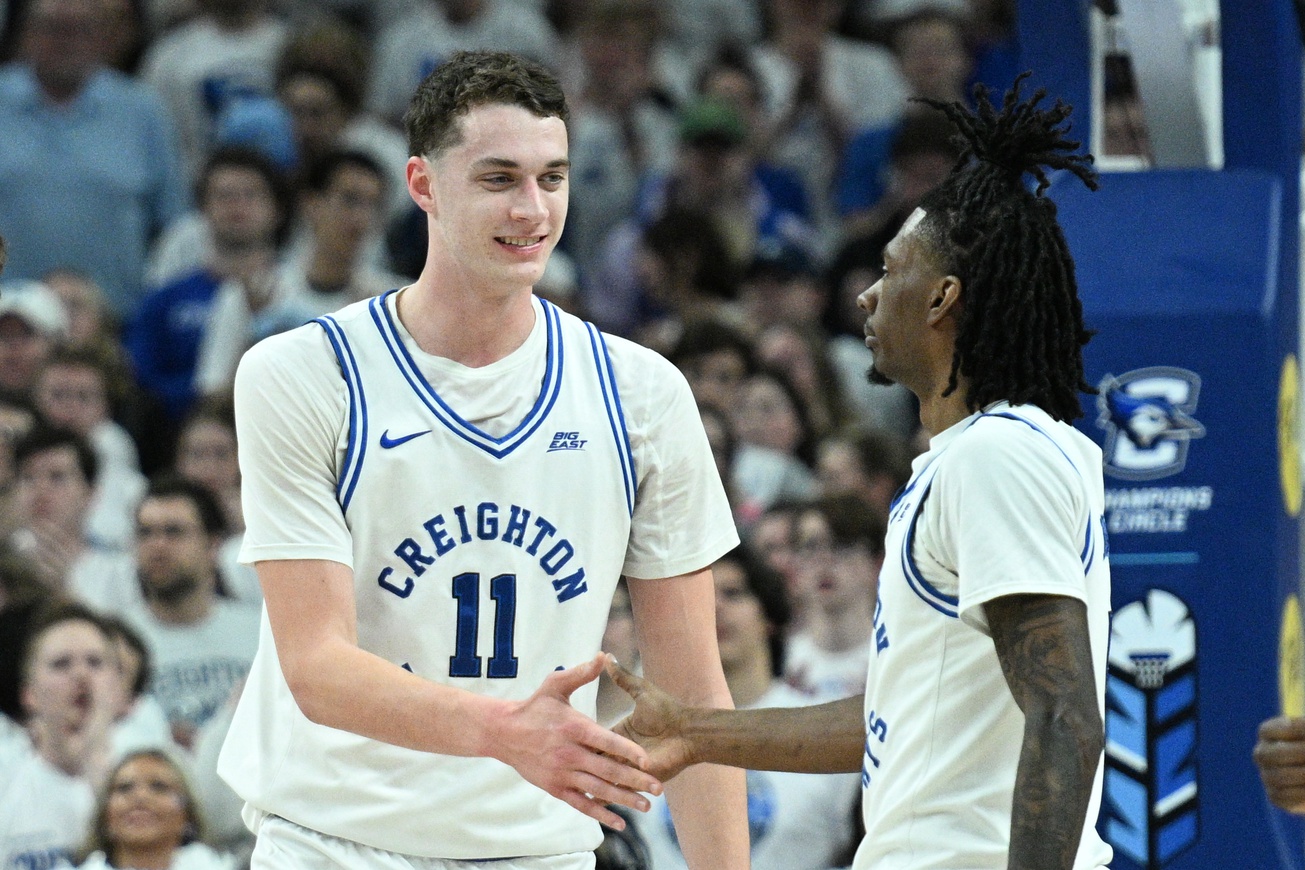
[[442, 486], [980, 735]]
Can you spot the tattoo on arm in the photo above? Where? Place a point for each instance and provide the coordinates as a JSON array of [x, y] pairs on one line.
[[1042, 644]]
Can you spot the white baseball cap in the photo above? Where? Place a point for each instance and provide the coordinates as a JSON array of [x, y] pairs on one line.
[[36, 305]]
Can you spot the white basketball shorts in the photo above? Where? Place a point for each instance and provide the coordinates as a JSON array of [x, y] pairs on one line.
[[283, 845]]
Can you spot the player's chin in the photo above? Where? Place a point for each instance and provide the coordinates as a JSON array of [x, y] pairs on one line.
[[875, 376]]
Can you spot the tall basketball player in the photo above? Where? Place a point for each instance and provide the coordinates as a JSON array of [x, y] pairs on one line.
[[979, 737], [442, 486]]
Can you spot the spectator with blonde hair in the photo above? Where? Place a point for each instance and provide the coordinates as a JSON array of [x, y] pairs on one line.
[[148, 818]]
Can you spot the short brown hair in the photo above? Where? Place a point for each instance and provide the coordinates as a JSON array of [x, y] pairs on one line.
[[470, 79]]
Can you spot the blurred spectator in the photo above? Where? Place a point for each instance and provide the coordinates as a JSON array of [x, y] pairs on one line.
[[206, 455], [932, 53], [32, 324], [871, 464], [713, 175], [839, 547], [138, 720], [22, 598], [724, 447], [731, 78], [93, 328], [57, 476], [769, 412], [821, 87], [770, 538], [72, 392], [714, 358], [202, 645], [124, 34], [242, 212], [885, 174], [776, 444], [53, 765], [148, 816], [17, 416], [70, 122], [320, 79], [369, 16], [781, 286], [796, 821], [341, 203], [994, 41], [227, 53], [623, 125], [686, 273], [259, 122], [801, 353], [410, 48], [698, 28]]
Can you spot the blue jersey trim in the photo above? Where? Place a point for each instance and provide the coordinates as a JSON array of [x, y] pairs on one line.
[[356, 448], [615, 414], [947, 605], [551, 385]]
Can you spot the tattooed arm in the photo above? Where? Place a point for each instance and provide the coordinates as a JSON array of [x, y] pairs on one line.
[[1042, 643]]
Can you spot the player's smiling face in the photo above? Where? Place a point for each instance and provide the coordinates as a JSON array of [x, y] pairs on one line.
[[499, 197]]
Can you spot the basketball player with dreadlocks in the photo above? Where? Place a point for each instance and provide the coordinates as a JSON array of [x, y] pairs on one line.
[[979, 737]]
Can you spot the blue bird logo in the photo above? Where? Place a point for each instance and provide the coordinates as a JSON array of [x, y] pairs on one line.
[[1145, 420]]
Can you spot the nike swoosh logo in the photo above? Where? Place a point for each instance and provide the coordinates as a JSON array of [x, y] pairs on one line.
[[387, 442]]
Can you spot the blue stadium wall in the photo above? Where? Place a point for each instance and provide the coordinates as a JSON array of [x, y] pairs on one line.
[[1192, 280]]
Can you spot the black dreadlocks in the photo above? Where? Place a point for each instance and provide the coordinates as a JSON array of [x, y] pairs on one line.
[[1020, 335]]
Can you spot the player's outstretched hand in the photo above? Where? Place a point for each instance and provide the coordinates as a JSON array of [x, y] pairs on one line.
[[1280, 755], [570, 756], [657, 723]]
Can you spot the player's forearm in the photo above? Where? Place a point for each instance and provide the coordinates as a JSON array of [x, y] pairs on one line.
[[709, 803], [342, 686], [824, 738], [1053, 786], [710, 809]]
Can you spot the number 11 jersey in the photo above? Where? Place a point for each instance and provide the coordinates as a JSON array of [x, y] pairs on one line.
[[484, 558]]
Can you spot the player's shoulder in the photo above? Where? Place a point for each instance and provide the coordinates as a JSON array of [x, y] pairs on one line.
[[1024, 436], [288, 351], [1005, 425], [636, 357], [290, 372]]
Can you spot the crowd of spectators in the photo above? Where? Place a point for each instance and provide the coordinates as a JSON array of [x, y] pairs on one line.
[[182, 178]]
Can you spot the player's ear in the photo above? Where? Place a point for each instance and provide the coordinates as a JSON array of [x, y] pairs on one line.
[[420, 177], [945, 299]]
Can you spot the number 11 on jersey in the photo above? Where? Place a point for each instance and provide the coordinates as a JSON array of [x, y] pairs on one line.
[[466, 591]]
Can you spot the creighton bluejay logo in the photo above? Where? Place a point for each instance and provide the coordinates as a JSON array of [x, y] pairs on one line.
[[1147, 416], [1150, 804]]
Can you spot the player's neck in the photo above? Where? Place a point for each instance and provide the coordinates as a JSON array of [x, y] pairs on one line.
[[469, 327], [938, 412]]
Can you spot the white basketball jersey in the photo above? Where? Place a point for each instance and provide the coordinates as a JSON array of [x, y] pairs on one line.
[[943, 732], [483, 563]]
